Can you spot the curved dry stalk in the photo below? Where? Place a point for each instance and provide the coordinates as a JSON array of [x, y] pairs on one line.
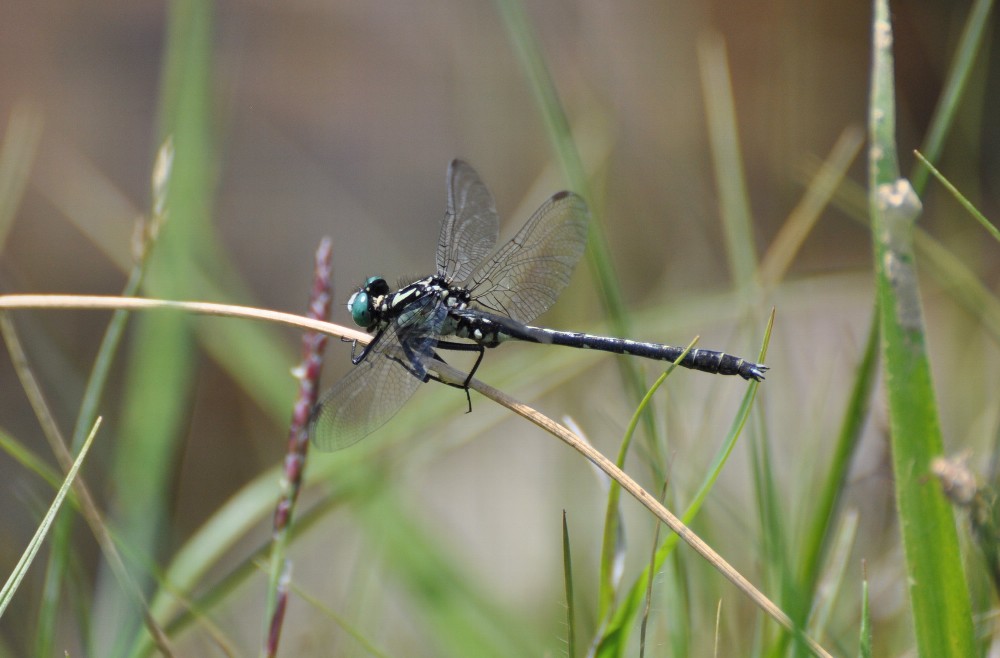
[[449, 375], [110, 302]]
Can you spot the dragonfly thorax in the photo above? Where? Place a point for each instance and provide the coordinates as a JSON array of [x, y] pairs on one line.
[[374, 305]]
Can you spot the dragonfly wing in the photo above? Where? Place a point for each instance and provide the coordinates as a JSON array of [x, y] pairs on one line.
[[525, 276], [471, 225], [370, 394], [364, 400]]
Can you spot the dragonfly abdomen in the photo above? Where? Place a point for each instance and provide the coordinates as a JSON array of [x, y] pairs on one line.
[[711, 361]]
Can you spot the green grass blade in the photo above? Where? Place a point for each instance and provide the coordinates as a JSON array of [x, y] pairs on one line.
[[557, 125], [969, 45], [775, 558], [735, 430], [802, 219], [978, 503], [570, 599], [207, 547], [17, 155], [943, 266], [613, 641], [824, 602], [29, 460], [162, 361], [612, 545], [815, 541], [734, 199], [532, 60], [938, 593], [865, 644], [614, 636], [972, 210], [12, 584], [92, 395], [648, 598]]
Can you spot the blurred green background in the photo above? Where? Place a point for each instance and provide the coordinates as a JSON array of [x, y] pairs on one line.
[[339, 118]]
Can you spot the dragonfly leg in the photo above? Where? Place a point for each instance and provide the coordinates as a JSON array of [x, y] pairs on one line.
[[368, 348], [463, 347], [463, 386], [428, 377], [475, 366], [416, 368], [354, 346], [411, 364]]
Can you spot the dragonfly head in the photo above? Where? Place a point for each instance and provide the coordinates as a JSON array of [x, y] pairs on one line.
[[362, 303]]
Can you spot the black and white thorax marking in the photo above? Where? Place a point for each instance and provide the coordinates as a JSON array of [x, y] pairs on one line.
[[375, 305]]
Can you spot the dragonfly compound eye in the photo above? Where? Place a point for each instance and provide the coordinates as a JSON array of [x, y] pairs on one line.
[[376, 286], [360, 307]]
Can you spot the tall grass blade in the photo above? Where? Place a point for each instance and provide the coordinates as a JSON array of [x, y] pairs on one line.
[[568, 583], [162, 360], [979, 502], [529, 52], [649, 584], [943, 265], [825, 599], [969, 45], [816, 541], [17, 155], [965, 203], [865, 644], [938, 594], [613, 544], [734, 199], [92, 395], [613, 641], [14, 581], [803, 218]]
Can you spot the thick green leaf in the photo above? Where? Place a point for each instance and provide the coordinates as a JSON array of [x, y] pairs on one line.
[[938, 594], [162, 358]]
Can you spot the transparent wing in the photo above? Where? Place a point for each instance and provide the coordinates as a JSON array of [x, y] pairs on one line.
[[368, 396], [364, 400], [470, 227], [526, 275]]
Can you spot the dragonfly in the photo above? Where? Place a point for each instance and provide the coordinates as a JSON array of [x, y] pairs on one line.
[[481, 299]]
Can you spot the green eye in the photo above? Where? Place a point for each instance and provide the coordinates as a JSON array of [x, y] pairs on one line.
[[360, 310], [360, 303]]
